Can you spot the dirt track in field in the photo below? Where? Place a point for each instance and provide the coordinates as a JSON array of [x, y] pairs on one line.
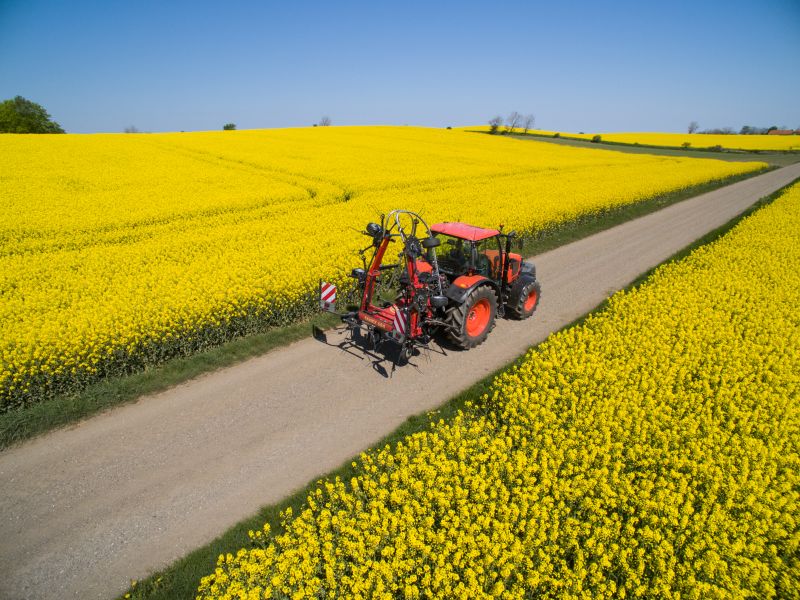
[[86, 508]]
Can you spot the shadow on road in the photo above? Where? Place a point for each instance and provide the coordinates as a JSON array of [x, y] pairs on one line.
[[384, 356]]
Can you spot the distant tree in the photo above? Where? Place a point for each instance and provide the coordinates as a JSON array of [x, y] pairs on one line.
[[693, 127], [512, 121], [773, 128], [229, 127], [719, 131], [325, 122], [20, 115], [527, 123], [131, 129], [597, 138], [494, 124]]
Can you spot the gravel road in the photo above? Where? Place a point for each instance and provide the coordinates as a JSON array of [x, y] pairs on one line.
[[86, 508]]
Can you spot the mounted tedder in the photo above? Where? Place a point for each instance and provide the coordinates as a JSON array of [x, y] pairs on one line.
[[474, 278]]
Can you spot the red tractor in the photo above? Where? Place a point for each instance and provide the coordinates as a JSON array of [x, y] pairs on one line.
[[460, 290]]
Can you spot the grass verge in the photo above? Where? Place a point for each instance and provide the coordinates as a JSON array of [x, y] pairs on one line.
[[180, 579], [24, 423]]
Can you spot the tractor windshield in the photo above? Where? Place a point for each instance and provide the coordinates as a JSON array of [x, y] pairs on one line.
[[453, 255], [457, 256]]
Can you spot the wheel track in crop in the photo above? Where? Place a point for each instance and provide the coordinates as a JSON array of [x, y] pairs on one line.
[[85, 508]]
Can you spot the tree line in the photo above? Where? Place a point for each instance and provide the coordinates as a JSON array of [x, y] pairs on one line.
[[20, 115], [513, 121], [745, 130]]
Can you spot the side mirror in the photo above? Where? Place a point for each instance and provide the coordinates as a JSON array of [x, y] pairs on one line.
[[431, 242], [514, 240]]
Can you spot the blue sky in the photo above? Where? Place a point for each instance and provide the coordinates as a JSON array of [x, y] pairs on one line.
[[577, 66]]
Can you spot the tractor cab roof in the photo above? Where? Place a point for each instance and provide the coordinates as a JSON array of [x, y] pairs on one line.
[[464, 231]]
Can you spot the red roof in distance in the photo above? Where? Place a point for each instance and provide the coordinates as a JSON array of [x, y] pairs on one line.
[[464, 231]]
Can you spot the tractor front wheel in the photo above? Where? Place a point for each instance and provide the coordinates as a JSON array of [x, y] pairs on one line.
[[472, 320], [525, 299]]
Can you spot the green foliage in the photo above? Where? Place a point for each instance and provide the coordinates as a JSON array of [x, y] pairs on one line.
[[229, 126], [20, 115], [596, 138]]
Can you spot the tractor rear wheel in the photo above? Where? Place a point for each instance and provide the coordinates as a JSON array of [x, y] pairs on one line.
[[472, 320], [525, 299]]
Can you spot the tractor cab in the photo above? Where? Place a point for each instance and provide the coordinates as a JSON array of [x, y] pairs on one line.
[[467, 250]]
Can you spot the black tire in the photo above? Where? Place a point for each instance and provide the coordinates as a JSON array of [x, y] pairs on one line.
[[404, 355], [519, 306], [460, 316]]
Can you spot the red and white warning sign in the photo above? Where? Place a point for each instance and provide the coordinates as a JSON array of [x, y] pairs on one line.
[[400, 321], [327, 296]]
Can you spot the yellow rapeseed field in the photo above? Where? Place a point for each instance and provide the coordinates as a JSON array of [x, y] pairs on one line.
[[117, 250], [653, 451], [678, 140]]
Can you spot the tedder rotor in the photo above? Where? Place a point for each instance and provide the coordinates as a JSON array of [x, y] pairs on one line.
[[460, 290]]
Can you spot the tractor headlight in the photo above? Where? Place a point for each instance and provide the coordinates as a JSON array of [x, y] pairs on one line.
[[374, 229]]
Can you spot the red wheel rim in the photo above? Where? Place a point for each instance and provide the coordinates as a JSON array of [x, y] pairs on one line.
[[478, 317], [530, 301]]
